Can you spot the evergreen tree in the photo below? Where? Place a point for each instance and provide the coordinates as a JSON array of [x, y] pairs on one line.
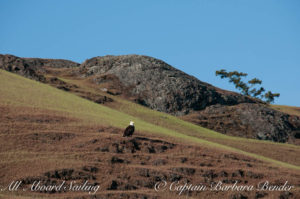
[[249, 88]]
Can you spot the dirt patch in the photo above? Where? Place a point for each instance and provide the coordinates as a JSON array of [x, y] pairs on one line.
[[51, 137], [33, 115], [73, 88], [134, 145]]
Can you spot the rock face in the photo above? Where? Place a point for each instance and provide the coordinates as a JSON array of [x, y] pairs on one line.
[[159, 86], [32, 67], [250, 120]]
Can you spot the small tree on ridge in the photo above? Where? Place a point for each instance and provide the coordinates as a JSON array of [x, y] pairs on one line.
[[250, 88]]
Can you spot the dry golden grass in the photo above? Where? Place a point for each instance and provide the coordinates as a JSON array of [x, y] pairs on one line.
[[292, 110]]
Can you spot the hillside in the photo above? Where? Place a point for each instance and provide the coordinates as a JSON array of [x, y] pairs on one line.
[[288, 109], [157, 85], [32, 67], [61, 136]]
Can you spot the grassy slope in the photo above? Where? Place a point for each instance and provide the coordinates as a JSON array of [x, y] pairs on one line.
[[287, 109], [269, 149], [18, 91]]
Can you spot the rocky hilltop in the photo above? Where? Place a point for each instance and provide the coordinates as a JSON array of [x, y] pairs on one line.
[[32, 67], [159, 86]]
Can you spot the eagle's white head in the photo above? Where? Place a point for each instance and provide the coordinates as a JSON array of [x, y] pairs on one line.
[[131, 123]]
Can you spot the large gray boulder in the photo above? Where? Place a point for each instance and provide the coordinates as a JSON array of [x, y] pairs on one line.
[[158, 85]]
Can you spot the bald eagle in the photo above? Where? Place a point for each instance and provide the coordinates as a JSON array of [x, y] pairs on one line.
[[129, 130]]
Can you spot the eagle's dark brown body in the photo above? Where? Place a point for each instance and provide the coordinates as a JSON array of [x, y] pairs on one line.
[[128, 131]]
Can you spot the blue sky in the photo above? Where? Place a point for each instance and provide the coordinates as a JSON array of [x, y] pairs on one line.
[[261, 38]]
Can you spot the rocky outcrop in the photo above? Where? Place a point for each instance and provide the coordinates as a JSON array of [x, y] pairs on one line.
[[159, 86], [32, 67], [249, 120]]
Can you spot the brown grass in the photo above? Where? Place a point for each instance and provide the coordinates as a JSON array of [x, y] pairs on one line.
[[37, 141]]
